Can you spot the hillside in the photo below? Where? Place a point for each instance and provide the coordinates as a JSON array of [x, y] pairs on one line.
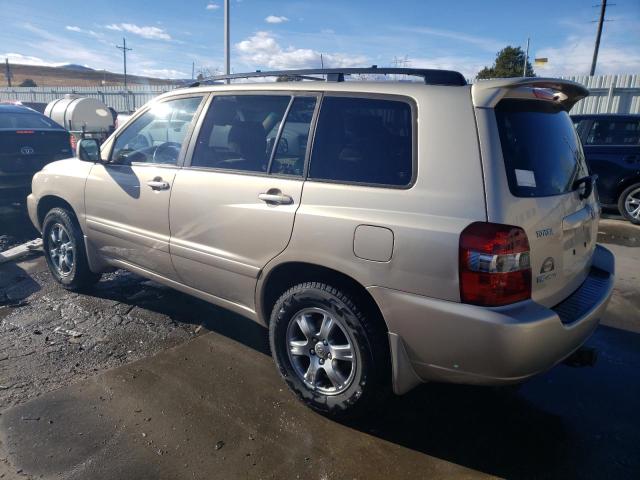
[[76, 77]]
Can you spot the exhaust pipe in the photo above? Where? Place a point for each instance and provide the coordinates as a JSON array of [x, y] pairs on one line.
[[583, 357]]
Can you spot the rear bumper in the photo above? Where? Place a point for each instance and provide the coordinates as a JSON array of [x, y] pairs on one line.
[[455, 342]]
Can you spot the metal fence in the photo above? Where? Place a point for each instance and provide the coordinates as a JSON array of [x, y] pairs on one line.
[[113, 96], [608, 94]]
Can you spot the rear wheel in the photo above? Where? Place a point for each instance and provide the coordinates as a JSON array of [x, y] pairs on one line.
[[64, 250], [629, 203], [330, 354]]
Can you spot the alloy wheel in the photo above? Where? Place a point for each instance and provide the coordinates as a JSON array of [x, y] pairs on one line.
[[321, 351]]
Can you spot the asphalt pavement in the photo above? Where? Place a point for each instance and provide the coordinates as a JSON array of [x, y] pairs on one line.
[[138, 381]]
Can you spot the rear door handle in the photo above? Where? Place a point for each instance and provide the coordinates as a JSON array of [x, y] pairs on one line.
[[158, 184], [274, 198]]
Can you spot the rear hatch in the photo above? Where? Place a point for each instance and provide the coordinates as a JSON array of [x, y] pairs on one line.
[[537, 179]]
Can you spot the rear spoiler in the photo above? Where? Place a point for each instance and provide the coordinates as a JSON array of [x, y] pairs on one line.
[[487, 93]]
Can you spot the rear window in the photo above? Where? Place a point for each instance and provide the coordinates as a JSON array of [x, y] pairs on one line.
[[541, 150], [614, 132], [17, 121], [363, 140]]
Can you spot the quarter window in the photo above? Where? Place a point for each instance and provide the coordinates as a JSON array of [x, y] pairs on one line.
[[239, 132], [292, 145], [363, 140], [158, 134]]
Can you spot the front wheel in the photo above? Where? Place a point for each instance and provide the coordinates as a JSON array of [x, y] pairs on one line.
[[64, 250], [629, 203], [330, 354]]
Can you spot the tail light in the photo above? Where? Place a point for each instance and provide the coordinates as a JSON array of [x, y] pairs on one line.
[[73, 142], [494, 264]]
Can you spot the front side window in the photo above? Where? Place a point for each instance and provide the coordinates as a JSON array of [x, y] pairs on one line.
[[157, 135], [239, 132], [614, 132], [363, 140]]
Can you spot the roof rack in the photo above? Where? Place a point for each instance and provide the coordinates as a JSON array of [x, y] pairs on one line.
[[431, 77]]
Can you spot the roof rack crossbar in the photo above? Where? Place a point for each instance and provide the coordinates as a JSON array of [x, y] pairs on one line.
[[430, 76]]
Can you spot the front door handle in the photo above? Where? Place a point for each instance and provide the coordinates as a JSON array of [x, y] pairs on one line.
[[275, 197], [158, 184]]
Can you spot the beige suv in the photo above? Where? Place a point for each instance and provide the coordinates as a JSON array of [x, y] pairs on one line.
[[387, 233]]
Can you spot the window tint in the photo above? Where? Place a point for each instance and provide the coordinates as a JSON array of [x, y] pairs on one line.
[[541, 150], [363, 140], [239, 132], [15, 120], [158, 134], [292, 146], [614, 132]]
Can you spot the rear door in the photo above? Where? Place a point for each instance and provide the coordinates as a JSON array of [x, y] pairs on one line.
[[233, 205], [533, 163]]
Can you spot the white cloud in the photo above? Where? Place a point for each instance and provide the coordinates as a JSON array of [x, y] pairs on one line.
[[20, 59], [262, 50], [574, 58], [212, 6], [163, 73], [151, 33], [276, 19], [74, 28], [484, 42]]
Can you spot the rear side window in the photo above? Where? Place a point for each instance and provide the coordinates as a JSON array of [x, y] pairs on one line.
[[541, 150], [239, 132], [363, 140], [614, 132], [19, 121]]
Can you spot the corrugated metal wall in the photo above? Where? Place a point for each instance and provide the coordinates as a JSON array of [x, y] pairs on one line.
[[609, 94]]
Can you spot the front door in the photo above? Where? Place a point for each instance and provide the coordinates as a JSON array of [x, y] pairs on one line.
[[127, 198], [232, 208]]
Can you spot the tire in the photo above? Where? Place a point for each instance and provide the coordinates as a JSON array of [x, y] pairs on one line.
[[359, 385], [64, 250], [629, 203]]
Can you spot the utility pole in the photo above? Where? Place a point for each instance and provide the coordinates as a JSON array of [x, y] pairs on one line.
[[124, 53], [603, 8], [124, 49], [227, 58], [8, 71], [526, 58], [193, 70]]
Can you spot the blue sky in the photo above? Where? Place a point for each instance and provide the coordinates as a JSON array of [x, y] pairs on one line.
[[167, 35]]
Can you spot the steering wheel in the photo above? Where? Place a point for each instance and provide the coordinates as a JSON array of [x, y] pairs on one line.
[[167, 152]]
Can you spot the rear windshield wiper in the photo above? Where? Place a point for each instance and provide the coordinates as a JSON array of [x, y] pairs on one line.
[[588, 182]]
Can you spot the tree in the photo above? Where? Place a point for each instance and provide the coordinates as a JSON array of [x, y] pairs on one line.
[[509, 63], [27, 82]]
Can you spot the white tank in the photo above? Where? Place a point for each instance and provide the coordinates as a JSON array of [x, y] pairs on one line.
[[74, 113]]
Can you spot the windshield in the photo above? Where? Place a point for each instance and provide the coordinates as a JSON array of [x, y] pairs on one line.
[[541, 150]]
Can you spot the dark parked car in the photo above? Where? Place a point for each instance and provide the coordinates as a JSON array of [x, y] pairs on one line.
[[612, 148], [28, 141]]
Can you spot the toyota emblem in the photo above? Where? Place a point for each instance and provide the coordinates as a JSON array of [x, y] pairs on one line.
[[27, 151]]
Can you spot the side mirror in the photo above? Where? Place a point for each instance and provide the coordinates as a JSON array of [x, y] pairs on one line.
[[88, 150]]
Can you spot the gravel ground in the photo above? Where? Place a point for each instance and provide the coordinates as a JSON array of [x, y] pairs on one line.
[[50, 337]]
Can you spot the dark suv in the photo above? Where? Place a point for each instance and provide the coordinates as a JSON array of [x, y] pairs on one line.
[[612, 149], [28, 141]]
